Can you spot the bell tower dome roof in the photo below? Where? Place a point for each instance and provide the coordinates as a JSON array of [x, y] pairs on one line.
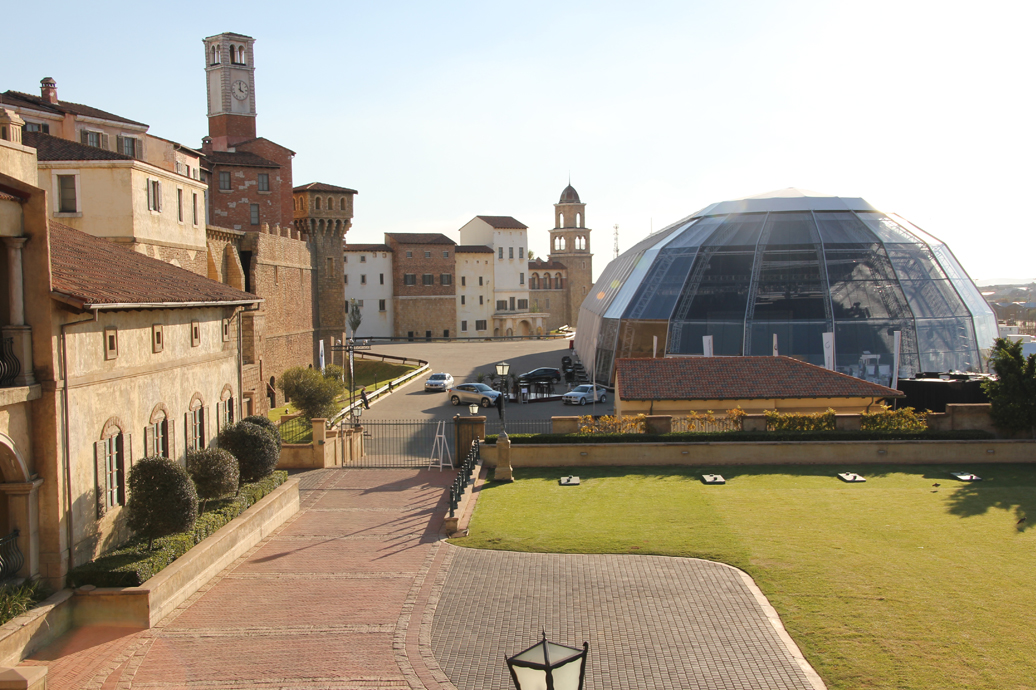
[[569, 196]]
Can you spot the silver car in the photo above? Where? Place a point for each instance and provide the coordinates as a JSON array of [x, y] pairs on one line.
[[438, 382], [581, 395], [478, 393]]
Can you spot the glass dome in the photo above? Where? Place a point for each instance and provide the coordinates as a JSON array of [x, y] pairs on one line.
[[795, 265]]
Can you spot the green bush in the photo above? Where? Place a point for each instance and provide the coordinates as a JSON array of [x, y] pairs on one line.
[[162, 499], [748, 437], [17, 599], [132, 564], [1012, 394], [886, 419], [254, 447], [817, 421], [214, 471], [312, 393], [266, 423]]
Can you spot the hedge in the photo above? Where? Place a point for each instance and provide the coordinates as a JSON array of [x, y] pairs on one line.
[[132, 564], [749, 436]]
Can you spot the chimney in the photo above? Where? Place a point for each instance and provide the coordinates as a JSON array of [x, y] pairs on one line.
[[49, 90]]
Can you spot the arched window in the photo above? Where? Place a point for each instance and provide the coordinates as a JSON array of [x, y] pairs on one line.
[[316, 200], [225, 407], [215, 54], [233, 53], [578, 216], [341, 204], [330, 204], [557, 281], [112, 454], [194, 423], [534, 281], [157, 435], [546, 281], [561, 241]]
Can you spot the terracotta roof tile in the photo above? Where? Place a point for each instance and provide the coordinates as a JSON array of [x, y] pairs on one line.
[[504, 222], [367, 248], [245, 159], [474, 249], [733, 378], [88, 270], [4, 196], [540, 264], [61, 107], [419, 238], [323, 187], [50, 148]]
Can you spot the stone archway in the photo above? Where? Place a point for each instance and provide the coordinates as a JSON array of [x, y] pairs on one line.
[[524, 327], [19, 494], [12, 464]]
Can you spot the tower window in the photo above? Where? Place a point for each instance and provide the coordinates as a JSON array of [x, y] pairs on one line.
[[316, 201], [215, 52], [254, 214], [341, 204], [224, 180]]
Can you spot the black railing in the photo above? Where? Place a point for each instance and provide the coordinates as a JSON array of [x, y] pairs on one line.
[[10, 367], [296, 430], [11, 558], [465, 476]]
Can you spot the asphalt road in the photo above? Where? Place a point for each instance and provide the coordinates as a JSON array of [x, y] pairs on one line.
[[464, 361]]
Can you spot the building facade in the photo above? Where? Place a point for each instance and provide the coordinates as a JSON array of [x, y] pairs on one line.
[[424, 303], [570, 247], [368, 280]]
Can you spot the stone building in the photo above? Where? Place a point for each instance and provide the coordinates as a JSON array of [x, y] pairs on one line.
[[570, 259], [368, 280], [475, 290], [548, 290], [424, 303]]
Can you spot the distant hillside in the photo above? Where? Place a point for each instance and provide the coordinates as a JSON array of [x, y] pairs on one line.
[[1004, 281]]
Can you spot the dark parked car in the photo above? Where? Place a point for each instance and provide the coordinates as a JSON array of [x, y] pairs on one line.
[[566, 364], [541, 374]]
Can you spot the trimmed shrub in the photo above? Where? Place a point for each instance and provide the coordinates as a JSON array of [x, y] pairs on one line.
[[215, 472], [162, 499], [887, 419], [132, 564], [266, 423], [253, 446], [312, 393], [817, 421]]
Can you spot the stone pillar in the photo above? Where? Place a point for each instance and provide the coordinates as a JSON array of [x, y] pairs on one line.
[[20, 334], [23, 514], [564, 425], [466, 430], [503, 460]]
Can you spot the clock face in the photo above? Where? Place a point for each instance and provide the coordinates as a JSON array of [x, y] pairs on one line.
[[240, 90]]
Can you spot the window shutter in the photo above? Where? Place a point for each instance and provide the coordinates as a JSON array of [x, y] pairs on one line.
[[119, 146], [204, 427], [219, 417], [104, 141], [147, 187], [84, 137], [170, 430], [186, 434], [125, 456], [99, 453], [149, 441], [138, 149]]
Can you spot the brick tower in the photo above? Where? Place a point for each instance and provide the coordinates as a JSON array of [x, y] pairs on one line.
[[570, 245], [230, 76]]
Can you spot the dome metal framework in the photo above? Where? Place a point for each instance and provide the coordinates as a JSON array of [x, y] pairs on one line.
[[795, 265]]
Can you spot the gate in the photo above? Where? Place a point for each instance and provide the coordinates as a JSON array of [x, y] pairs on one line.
[[405, 444]]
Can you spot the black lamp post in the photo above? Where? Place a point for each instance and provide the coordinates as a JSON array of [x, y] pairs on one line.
[[549, 666], [501, 370]]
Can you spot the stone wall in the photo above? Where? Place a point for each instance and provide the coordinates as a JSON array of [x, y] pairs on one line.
[[421, 314], [281, 189]]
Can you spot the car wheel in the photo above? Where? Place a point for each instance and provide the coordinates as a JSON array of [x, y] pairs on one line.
[[455, 400], [485, 402], [604, 398], [582, 401]]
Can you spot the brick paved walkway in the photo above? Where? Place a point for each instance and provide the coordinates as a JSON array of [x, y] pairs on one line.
[[356, 592]]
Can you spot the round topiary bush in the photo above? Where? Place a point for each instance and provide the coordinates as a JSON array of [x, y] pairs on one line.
[[266, 423], [253, 446], [162, 499], [215, 472]]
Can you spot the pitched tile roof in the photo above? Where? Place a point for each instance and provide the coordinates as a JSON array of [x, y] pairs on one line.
[[367, 248], [88, 271], [26, 100], [504, 222], [4, 196], [322, 187], [419, 238], [49, 148], [540, 264], [474, 249], [733, 378], [245, 159]]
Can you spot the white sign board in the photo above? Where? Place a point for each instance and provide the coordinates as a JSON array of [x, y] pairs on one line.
[[829, 351], [706, 344]]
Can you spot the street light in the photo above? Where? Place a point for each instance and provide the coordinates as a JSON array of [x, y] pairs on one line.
[[473, 409], [549, 666], [501, 370]]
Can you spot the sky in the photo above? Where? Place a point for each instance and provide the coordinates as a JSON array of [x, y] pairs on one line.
[[437, 112]]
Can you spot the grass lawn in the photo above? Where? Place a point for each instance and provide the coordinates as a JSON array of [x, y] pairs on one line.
[[893, 583]]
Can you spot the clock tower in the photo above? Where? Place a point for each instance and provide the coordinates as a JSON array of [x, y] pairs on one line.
[[230, 77]]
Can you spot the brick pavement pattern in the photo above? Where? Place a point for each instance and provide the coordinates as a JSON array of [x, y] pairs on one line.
[[358, 592]]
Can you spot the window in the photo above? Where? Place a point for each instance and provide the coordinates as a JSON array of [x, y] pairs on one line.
[[95, 139], [446, 254], [196, 428], [523, 305], [341, 204], [132, 147], [446, 279], [501, 305], [254, 214], [381, 278], [463, 326], [345, 258], [521, 252], [359, 303], [195, 333], [346, 278], [179, 205], [111, 342], [410, 255], [226, 330], [410, 279], [500, 253], [480, 281], [480, 300], [156, 438], [410, 336], [521, 279], [111, 470], [428, 335], [37, 127], [224, 181], [427, 255], [462, 300], [363, 279], [427, 279], [194, 206], [446, 333], [154, 195], [480, 325], [363, 258], [264, 182], [512, 303], [157, 344], [463, 281], [67, 197], [534, 281], [510, 252], [381, 305]]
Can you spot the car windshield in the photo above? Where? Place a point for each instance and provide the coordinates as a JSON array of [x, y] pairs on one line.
[[438, 377], [581, 389], [481, 387]]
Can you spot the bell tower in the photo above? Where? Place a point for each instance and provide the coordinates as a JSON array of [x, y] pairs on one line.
[[230, 82], [570, 245]]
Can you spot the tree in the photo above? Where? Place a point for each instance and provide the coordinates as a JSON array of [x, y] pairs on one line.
[[312, 393], [254, 447], [355, 317], [532, 257], [1013, 392], [215, 473], [162, 499]]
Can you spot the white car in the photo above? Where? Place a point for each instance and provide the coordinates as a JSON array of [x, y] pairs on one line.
[[438, 382], [581, 395]]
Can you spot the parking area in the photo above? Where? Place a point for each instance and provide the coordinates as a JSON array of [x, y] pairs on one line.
[[465, 360]]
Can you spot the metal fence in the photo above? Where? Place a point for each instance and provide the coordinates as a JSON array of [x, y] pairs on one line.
[[296, 430], [11, 558], [406, 443]]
